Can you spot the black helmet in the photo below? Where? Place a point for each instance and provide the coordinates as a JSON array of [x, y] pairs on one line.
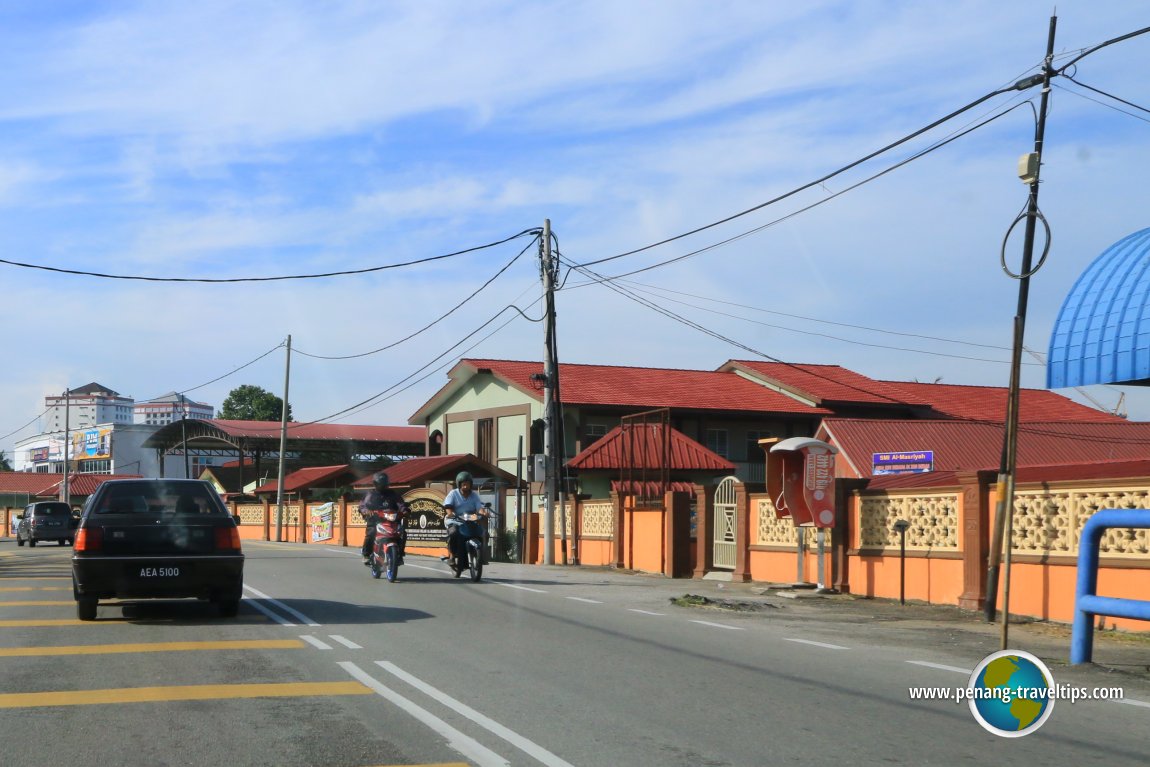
[[463, 476], [381, 481]]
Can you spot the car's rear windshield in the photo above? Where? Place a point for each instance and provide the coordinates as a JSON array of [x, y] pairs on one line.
[[157, 497], [52, 510]]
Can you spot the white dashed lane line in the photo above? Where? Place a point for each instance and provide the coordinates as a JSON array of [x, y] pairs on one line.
[[584, 599], [941, 667], [718, 625], [816, 644], [521, 588]]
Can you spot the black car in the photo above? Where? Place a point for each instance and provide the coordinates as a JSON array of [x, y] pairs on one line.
[[160, 539], [45, 521]]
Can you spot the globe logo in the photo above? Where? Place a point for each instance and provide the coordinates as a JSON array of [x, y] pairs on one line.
[[1012, 693]]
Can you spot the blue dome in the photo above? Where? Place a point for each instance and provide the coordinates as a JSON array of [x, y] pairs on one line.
[[1102, 334]]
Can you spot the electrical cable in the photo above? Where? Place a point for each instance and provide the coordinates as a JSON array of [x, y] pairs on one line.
[[757, 229], [816, 182], [379, 395], [848, 340], [662, 289], [431, 324], [280, 345], [25, 426], [1107, 95], [217, 280], [1102, 104]]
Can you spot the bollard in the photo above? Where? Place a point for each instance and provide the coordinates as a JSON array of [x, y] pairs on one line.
[[901, 525]]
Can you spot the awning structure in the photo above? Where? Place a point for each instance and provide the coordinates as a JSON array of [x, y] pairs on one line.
[[1102, 334], [311, 443]]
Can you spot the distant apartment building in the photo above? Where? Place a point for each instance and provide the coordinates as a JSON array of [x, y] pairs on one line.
[[85, 407], [170, 407]]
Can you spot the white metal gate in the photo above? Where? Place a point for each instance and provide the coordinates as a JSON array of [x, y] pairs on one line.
[[725, 525]]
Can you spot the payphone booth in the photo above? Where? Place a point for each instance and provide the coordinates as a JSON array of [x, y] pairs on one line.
[[801, 484]]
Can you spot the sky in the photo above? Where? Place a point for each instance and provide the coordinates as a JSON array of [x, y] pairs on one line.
[[391, 141]]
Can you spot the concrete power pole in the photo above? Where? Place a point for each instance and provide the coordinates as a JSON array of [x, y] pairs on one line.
[[283, 447], [1004, 508], [549, 424]]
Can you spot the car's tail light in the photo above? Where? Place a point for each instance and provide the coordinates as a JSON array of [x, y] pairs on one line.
[[227, 538], [89, 539]]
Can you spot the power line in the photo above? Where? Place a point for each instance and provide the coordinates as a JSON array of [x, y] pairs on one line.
[[1020, 85], [25, 426], [851, 341], [1104, 104], [434, 322], [852, 187], [320, 275]]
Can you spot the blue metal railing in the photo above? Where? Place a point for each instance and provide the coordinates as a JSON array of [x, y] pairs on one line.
[[1087, 603]]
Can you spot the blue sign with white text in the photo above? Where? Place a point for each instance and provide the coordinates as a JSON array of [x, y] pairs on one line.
[[903, 462]]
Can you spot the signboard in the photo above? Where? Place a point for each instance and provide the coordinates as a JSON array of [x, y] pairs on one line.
[[903, 462], [425, 525], [92, 443], [801, 481], [322, 518], [38, 454]]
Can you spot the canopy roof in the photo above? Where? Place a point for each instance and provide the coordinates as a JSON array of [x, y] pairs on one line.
[[312, 442]]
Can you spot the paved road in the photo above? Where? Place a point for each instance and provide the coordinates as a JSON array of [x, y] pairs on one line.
[[534, 665]]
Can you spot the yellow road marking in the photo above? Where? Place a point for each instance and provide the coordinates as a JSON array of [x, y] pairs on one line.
[[107, 649], [33, 588], [192, 692], [14, 623], [9, 579], [38, 603]]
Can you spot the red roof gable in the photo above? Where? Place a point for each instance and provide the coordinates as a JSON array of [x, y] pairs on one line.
[[304, 478], [988, 403], [640, 448], [973, 446], [634, 387], [825, 383]]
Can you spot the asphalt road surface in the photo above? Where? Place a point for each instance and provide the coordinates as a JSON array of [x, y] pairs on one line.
[[532, 666]]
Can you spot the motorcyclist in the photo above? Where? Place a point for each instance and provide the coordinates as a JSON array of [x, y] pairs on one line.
[[462, 500], [382, 498]]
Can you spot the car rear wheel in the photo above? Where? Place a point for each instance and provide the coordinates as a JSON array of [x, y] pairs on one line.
[[86, 608], [32, 542], [61, 542], [19, 541]]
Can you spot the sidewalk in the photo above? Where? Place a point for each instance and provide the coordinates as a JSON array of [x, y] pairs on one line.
[[1117, 654]]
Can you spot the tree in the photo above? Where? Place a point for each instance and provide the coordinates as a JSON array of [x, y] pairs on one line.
[[4, 464], [252, 403]]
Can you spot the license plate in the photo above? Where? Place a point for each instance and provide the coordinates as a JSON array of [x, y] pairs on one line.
[[159, 572]]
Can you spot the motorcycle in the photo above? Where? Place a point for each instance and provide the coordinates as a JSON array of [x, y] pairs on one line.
[[385, 553], [469, 538]]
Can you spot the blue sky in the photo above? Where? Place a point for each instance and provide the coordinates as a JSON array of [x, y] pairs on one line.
[[224, 140]]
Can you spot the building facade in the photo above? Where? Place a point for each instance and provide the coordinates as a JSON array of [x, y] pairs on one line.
[[170, 407]]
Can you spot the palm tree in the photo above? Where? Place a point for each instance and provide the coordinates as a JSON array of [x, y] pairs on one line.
[[4, 464]]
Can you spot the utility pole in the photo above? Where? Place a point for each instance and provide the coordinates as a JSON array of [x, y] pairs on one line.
[[549, 376], [184, 433], [283, 446], [1001, 543], [65, 494]]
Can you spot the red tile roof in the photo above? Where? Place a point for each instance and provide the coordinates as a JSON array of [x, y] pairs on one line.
[[305, 478], [322, 431], [988, 403], [974, 446], [825, 383], [48, 485], [644, 442], [635, 387]]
